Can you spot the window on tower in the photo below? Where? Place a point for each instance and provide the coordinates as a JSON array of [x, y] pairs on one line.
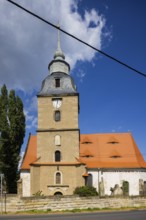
[[57, 115], [57, 82], [57, 140], [57, 156]]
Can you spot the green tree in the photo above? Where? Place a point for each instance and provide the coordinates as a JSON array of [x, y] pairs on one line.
[[3, 124], [12, 127]]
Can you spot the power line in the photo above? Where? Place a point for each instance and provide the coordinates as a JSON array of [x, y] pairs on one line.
[[76, 38]]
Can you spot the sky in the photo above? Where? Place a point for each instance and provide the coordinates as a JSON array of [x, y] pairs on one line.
[[112, 97]]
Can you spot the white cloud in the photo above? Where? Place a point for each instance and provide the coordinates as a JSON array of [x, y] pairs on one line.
[[81, 74], [27, 44], [32, 103], [31, 120], [31, 124], [21, 159]]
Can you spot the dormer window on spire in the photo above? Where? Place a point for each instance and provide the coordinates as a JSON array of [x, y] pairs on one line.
[[57, 82]]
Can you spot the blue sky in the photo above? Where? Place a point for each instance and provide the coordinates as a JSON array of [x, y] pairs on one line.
[[112, 97]]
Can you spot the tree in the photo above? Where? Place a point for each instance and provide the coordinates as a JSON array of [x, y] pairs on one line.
[[12, 127], [3, 123]]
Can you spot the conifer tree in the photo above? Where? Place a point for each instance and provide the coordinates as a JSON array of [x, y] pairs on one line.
[[12, 127], [3, 124]]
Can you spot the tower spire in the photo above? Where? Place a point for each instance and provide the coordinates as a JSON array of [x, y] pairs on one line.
[[58, 64], [59, 54]]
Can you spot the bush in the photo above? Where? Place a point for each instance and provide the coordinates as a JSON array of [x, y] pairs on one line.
[[38, 194], [85, 191]]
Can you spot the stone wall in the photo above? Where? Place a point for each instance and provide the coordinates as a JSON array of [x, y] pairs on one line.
[[14, 203]]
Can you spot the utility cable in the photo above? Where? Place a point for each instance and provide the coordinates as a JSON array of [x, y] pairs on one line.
[[76, 38]]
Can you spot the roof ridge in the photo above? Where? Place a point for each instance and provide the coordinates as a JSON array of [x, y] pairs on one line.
[[107, 133], [138, 154]]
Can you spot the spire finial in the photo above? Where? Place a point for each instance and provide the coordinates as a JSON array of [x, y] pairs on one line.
[[59, 54], [59, 47]]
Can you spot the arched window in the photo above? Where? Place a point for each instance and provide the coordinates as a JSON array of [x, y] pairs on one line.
[[57, 115], [89, 180], [57, 140], [58, 178], [57, 156], [125, 187]]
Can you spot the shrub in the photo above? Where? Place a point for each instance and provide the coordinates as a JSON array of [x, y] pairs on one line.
[[85, 191], [38, 194]]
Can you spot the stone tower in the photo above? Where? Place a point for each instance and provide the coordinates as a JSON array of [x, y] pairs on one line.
[[57, 169]]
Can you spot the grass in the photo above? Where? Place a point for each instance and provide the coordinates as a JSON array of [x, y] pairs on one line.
[[80, 210]]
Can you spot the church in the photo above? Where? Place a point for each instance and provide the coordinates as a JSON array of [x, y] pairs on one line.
[[58, 158]]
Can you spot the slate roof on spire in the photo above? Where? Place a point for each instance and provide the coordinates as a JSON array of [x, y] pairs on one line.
[[67, 86], [58, 70]]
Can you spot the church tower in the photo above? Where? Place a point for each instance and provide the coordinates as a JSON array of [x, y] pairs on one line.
[[57, 169]]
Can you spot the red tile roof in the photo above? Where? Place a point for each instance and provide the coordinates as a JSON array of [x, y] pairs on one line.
[[113, 150], [30, 153]]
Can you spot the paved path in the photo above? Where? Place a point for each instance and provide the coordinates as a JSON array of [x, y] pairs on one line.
[[126, 215]]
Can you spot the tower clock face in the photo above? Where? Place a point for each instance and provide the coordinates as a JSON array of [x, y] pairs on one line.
[[57, 103]]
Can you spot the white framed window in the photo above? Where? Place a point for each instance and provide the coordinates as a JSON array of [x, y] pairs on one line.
[[57, 140]]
